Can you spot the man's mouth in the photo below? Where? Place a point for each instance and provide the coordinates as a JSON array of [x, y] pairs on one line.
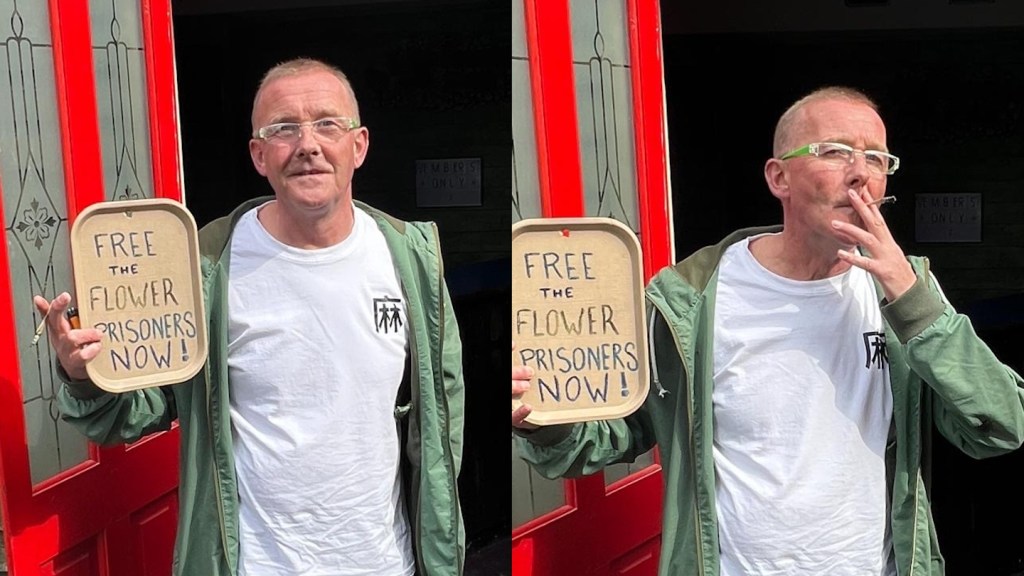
[[310, 172]]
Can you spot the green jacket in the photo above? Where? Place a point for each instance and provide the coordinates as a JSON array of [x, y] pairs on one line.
[[940, 372], [432, 418]]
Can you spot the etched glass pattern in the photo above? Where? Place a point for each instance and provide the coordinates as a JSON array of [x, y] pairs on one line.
[[600, 51], [119, 61], [35, 222], [532, 494]]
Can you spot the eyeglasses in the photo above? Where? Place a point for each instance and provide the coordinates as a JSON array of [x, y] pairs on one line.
[[835, 153], [325, 129]]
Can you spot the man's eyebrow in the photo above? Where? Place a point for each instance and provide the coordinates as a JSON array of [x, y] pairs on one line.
[[316, 115], [871, 146], [282, 120]]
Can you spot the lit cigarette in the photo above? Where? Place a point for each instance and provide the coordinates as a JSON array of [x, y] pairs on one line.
[[41, 327], [883, 200]]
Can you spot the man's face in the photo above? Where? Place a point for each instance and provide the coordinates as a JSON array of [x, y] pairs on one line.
[[311, 174], [817, 189]]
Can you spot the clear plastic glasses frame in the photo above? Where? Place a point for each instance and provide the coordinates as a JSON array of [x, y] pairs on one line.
[[329, 129], [877, 161]]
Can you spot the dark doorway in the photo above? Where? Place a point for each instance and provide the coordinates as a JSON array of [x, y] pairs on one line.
[[432, 79], [951, 102]]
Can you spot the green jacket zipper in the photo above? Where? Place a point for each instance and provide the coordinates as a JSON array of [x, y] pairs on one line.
[[444, 397], [693, 458], [216, 467]]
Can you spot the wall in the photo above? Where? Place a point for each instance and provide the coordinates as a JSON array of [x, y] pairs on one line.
[[951, 101], [432, 81], [730, 16], [427, 84], [952, 107]]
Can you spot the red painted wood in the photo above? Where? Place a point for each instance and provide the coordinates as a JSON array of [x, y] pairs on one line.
[[80, 560], [591, 538], [115, 514], [162, 91], [14, 466], [549, 44], [153, 524], [615, 529], [647, 68], [76, 104], [642, 560]]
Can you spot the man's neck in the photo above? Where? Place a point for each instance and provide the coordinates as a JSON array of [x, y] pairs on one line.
[[794, 258], [308, 231]]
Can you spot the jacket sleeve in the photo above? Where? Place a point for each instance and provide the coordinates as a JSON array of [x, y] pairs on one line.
[[454, 385], [107, 418], [978, 402], [572, 450]]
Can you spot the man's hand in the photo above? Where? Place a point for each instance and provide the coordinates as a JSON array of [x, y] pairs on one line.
[[74, 348], [520, 384], [884, 259]]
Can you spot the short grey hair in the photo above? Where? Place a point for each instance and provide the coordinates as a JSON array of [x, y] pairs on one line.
[[788, 120], [298, 66]]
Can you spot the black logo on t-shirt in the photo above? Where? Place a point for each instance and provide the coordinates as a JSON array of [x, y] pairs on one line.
[[874, 350], [387, 314]]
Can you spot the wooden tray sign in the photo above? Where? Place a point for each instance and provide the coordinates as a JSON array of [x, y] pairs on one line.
[[578, 318], [138, 281]]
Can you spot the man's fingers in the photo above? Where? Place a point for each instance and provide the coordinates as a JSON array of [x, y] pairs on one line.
[[55, 308], [855, 259], [84, 337], [519, 387], [522, 372], [85, 353], [856, 233], [42, 304], [869, 213], [519, 417]]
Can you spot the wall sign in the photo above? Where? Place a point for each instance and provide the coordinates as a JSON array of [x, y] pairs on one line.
[[138, 281], [947, 217], [578, 318], [448, 182]]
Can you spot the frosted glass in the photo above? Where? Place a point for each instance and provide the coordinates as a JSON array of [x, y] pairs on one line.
[[119, 60], [532, 494], [525, 187], [35, 222], [605, 109]]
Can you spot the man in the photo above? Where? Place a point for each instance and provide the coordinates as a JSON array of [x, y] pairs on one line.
[[303, 448], [796, 371]]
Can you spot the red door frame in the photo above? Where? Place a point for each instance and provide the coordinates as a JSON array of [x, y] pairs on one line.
[[600, 530], [115, 513]]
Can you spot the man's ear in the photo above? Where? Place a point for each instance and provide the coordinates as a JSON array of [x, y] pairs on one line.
[[256, 152], [360, 145], [777, 177]]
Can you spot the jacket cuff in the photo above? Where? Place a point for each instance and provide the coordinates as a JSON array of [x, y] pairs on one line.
[[545, 435], [914, 311], [81, 389]]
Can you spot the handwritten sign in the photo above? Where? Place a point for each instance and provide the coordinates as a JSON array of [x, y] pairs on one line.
[[578, 318], [137, 281]]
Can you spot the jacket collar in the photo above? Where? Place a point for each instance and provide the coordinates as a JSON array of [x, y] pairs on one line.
[[214, 239]]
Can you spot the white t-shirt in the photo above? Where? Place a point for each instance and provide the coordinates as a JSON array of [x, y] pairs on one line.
[[802, 408], [316, 352]]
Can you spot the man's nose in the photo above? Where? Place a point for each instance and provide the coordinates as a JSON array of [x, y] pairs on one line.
[[857, 173], [307, 142]]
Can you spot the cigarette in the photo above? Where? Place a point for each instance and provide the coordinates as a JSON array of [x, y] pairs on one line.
[[883, 200], [41, 327]]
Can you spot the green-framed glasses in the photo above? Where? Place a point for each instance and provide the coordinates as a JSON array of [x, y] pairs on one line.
[[840, 154]]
